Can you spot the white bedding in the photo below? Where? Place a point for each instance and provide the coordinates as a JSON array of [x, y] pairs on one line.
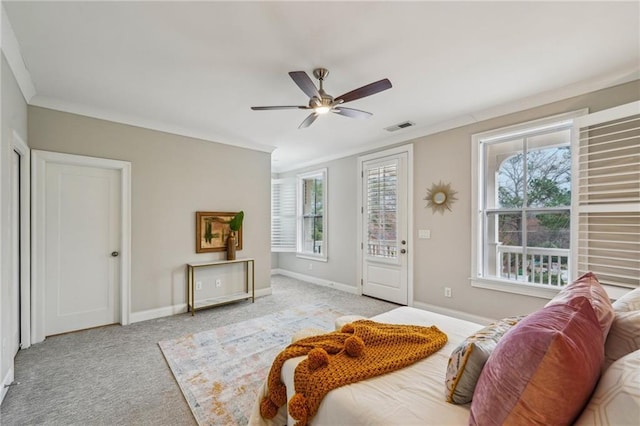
[[411, 396]]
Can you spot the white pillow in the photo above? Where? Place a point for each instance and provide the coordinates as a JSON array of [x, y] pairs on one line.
[[623, 337], [628, 302], [624, 334], [616, 400]]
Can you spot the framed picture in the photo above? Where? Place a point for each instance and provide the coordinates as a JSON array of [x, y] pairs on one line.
[[212, 230]]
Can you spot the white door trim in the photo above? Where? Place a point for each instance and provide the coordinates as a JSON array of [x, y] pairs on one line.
[[21, 148], [38, 169], [361, 160]]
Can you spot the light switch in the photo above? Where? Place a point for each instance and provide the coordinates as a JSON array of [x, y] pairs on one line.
[[424, 234]]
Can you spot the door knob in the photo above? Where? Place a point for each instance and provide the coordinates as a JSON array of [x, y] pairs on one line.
[[403, 251], [115, 253], [403, 242]]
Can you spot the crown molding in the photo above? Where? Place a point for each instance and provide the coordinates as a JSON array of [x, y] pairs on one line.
[[145, 123], [11, 51]]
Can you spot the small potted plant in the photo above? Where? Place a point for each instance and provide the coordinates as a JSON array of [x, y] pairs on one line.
[[234, 225]]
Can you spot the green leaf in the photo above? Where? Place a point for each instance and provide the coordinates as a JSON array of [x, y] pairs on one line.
[[236, 222]]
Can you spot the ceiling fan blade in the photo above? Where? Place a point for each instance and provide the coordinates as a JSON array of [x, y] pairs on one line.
[[307, 121], [350, 112], [303, 81], [364, 91], [268, 108]]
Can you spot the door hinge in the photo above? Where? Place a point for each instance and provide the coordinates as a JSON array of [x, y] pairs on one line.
[[361, 210], [361, 282]]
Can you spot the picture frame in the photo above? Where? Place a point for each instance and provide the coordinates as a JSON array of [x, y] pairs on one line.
[[212, 230]]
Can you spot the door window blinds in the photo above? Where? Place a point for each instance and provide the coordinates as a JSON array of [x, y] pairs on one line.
[[607, 196], [382, 182]]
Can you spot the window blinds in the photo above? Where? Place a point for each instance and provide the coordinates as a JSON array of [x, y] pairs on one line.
[[608, 196], [382, 182], [283, 215]]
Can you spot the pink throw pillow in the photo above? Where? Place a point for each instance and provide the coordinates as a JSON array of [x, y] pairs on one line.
[[544, 370], [589, 287]]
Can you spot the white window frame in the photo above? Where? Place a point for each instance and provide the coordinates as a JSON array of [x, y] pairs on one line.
[[477, 196], [323, 256]]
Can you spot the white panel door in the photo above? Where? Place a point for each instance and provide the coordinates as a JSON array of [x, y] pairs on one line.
[[82, 232], [385, 228]]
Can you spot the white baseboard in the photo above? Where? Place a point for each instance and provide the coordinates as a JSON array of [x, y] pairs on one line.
[[453, 313], [180, 308], [158, 312], [6, 381], [316, 280], [351, 289]]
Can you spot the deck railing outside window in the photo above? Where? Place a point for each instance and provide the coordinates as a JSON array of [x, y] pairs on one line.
[[543, 266], [382, 248]]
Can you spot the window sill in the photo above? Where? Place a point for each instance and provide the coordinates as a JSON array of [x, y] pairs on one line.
[[312, 257], [524, 289], [282, 250]]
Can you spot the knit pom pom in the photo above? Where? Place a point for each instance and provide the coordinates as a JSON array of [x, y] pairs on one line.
[[268, 409], [354, 346], [298, 408], [318, 357], [278, 394], [347, 328]]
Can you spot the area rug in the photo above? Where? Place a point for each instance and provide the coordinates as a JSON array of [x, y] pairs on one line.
[[220, 371]]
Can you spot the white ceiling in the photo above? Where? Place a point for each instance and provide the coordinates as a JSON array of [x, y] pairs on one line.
[[196, 68]]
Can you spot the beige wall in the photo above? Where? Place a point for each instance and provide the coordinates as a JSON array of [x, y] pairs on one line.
[[14, 118], [341, 222], [445, 259], [172, 178]]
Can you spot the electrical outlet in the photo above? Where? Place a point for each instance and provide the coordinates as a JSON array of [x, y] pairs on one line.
[[218, 283], [198, 285], [447, 292]]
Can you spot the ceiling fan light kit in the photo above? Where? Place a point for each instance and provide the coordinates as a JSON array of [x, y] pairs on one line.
[[320, 102]]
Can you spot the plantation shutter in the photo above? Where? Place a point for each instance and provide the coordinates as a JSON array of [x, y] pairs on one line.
[[283, 215], [382, 209], [608, 196]]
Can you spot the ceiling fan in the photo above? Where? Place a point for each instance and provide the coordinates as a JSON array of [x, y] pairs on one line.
[[321, 102]]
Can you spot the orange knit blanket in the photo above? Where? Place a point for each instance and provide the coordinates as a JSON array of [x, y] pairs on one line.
[[361, 350]]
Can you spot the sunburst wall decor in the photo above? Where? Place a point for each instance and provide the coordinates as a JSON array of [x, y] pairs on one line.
[[440, 197]]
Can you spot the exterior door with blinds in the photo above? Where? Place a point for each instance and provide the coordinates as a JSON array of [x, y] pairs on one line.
[[385, 228], [607, 196]]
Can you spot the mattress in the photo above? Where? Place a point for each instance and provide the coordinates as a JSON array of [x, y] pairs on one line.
[[414, 395]]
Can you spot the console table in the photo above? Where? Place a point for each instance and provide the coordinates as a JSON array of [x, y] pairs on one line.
[[249, 293]]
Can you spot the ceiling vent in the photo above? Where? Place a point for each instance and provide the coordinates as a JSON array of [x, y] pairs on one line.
[[400, 126]]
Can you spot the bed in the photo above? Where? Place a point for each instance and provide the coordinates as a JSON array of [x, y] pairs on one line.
[[580, 349], [405, 397]]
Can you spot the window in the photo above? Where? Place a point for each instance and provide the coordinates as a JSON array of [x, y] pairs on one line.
[[312, 218], [283, 215], [607, 202], [522, 224]]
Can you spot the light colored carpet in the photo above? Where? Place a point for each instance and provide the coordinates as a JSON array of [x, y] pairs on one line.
[[117, 375], [220, 371]]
